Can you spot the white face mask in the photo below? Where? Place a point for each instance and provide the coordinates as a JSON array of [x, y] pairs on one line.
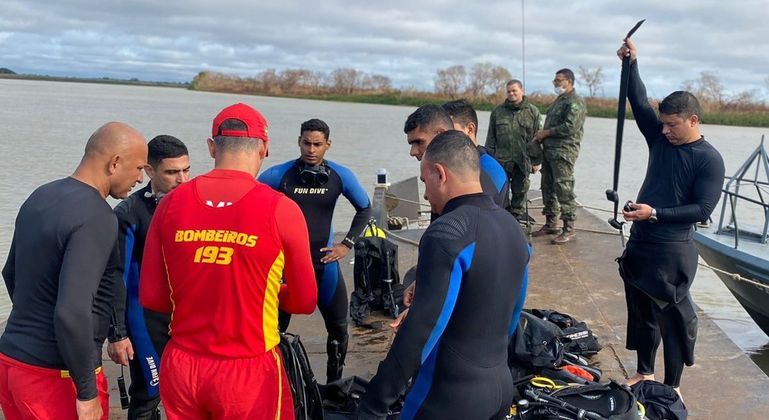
[[559, 90]]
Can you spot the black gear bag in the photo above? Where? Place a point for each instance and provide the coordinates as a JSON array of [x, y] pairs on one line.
[[377, 281]]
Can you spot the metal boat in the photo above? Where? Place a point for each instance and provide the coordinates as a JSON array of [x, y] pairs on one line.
[[737, 249]]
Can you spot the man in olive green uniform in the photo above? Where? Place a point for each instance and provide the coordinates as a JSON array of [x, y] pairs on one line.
[[511, 128], [560, 146]]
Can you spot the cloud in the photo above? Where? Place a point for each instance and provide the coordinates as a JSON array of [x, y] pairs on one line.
[[407, 41]]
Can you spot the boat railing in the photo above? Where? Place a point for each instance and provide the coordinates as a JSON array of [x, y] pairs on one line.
[[753, 166]]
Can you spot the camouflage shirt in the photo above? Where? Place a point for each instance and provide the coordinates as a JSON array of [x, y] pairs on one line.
[[511, 128], [565, 120]]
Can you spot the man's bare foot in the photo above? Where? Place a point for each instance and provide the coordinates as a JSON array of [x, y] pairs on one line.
[[638, 378]]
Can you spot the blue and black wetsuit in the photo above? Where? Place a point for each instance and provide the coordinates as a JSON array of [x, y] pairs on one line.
[[494, 179], [683, 183], [454, 340], [317, 201], [148, 330], [496, 184]]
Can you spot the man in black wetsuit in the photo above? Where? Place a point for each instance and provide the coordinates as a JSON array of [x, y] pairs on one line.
[[471, 262], [683, 182], [133, 328], [315, 184], [430, 120], [64, 238]]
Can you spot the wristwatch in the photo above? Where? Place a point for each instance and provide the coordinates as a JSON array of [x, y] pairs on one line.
[[653, 217], [349, 243]]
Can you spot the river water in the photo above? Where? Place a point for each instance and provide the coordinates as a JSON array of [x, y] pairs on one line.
[[45, 125]]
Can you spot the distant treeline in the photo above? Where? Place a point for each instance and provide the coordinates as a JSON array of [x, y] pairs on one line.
[[483, 85], [105, 80]]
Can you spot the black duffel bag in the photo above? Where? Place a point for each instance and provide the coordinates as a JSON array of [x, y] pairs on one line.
[[341, 399], [661, 401], [576, 336]]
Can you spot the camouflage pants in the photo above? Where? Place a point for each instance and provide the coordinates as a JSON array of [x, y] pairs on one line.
[[558, 184], [519, 186]]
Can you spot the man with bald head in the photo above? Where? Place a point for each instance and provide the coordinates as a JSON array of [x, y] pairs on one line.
[[471, 262], [65, 236]]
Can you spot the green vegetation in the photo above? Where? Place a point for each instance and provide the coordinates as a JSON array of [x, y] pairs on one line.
[[479, 86], [4, 70]]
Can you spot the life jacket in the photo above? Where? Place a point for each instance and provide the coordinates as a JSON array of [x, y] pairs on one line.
[[610, 401]]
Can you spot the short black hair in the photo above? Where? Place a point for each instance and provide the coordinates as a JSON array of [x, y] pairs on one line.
[[455, 151], [461, 112], [315, 125], [164, 147], [568, 73], [681, 103], [428, 116], [514, 82], [234, 144]]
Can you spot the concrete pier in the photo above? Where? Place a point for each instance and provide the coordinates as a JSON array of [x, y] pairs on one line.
[[579, 278]]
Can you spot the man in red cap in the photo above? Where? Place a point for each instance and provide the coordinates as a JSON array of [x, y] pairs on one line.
[[215, 254]]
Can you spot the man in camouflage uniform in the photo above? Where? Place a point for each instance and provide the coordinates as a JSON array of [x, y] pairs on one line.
[[511, 128], [560, 146]]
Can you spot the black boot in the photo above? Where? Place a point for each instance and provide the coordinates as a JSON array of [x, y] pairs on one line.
[[567, 234], [337, 350], [549, 228]]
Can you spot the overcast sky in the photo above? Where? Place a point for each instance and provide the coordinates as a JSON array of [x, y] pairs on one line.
[[408, 41]]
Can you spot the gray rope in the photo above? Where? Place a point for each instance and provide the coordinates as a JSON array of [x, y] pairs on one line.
[[407, 201], [735, 276], [401, 238]]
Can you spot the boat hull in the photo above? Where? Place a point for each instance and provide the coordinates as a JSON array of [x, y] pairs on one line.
[[719, 253]]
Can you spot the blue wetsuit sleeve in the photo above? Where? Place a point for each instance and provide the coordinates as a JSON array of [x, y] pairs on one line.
[[88, 250], [498, 176], [644, 115], [9, 270], [439, 275], [116, 273], [273, 175], [354, 192], [521, 298]]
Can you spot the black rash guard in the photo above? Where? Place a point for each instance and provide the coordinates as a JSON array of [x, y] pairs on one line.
[[682, 182], [65, 237], [454, 339]]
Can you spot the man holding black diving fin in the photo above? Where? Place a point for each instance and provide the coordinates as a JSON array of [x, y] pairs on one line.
[[681, 187]]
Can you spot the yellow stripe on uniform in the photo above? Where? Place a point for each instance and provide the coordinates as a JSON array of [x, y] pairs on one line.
[[65, 373], [280, 383], [270, 306]]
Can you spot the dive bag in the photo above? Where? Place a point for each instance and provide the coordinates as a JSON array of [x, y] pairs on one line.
[[575, 335], [661, 401], [377, 281], [308, 404]]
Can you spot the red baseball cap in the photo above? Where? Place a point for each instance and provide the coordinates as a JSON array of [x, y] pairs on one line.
[[256, 125]]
